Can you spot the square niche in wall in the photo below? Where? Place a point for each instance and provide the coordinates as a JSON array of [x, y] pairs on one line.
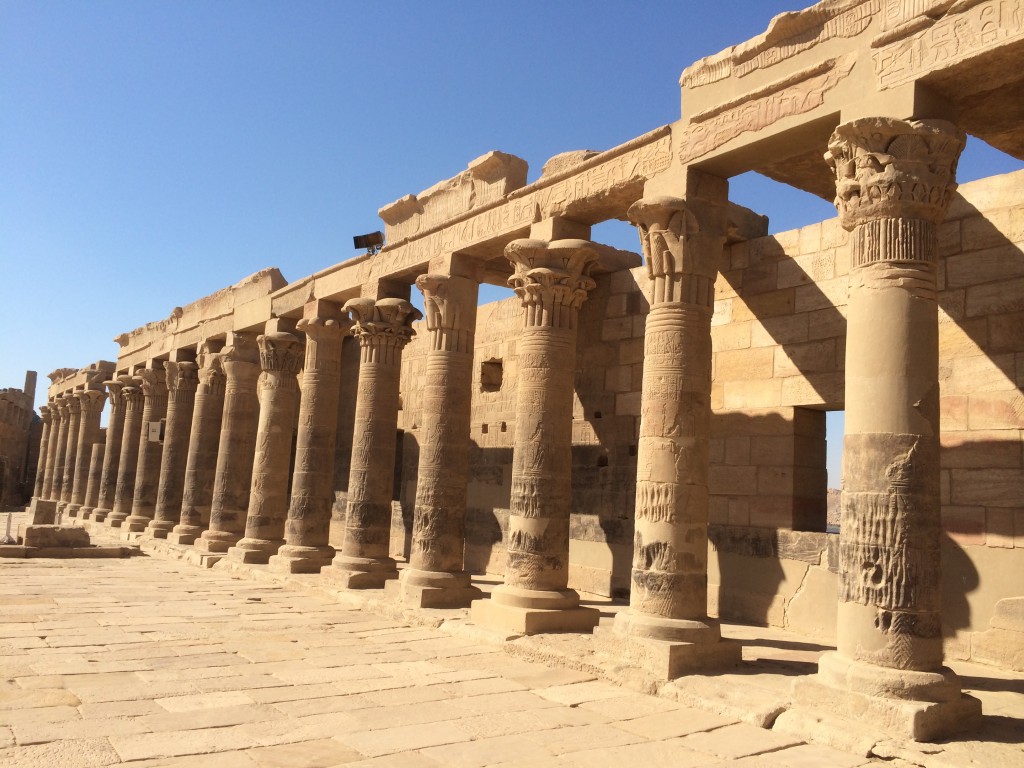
[[491, 374]]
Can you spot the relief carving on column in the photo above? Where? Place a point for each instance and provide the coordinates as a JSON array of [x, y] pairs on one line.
[[887, 168]]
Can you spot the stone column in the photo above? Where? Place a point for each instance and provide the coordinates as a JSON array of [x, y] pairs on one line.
[[90, 404], [894, 183], [124, 491], [55, 457], [552, 279], [435, 577], [147, 472], [204, 441], [383, 328], [307, 529], [112, 452], [70, 452], [182, 379], [92, 488], [44, 450], [682, 241], [237, 449], [281, 354]]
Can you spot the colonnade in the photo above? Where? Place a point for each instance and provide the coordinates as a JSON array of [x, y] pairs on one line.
[[222, 480]]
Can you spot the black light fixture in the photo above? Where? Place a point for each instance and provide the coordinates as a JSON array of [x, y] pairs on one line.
[[372, 242]]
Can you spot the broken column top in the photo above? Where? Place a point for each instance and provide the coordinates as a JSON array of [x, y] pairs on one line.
[[487, 179]]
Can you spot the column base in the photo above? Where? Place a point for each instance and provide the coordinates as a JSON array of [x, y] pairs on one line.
[[85, 513], [136, 523], [100, 514], [44, 512], [533, 612], [293, 559], [72, 510], [216, 542], [184, 535], [115, 519], [62, 508], [159, 529], [432, 589], [668, 648], [361, 572], [921, 706], [257, 551]]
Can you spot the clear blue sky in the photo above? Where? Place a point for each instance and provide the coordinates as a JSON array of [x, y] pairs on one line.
[[154, 152]]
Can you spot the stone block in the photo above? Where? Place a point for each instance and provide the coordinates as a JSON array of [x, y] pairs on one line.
[[987, 487], [999, 528], [996, 298], [532, 621], [826, 323], [822, 295], [806, 358], [775, 481], [667, 660], [732, 481], [964, 525], [982, 373], [43, 512], [1006, 332], [753, 394], [766, 306], [744, 364], [55, 536], [987, 449], [736, 335], [769, 331]]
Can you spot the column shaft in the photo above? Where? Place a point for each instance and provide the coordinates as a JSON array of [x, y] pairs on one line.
[[92, 488], [44, 450], [124, 492], [112, 453], [91, 404], [203, 444], [147, 472], [70, 450], [280, 358], [307, 528], [182, 378], [383, 329], [552, 280], [237, 448], [894, 183], [435, 577]]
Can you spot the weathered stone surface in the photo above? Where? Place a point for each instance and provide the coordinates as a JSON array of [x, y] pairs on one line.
[[55, 536]]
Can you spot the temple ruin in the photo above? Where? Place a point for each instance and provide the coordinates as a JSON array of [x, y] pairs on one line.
[[648, 426]]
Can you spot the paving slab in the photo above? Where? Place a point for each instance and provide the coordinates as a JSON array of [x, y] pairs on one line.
[[233, 672]]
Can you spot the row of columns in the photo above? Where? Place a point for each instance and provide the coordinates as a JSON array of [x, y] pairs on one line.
[[894, 183]]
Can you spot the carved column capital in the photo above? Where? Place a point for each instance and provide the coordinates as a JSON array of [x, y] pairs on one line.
[[552, 279], [114, 388], [153, 381], [45, 414], [181, 377], [211, 373], [894, 169], [240, 359], [450, 320], [73, 403], [281, 352], [91, 400], [382, 323], [133, 396]]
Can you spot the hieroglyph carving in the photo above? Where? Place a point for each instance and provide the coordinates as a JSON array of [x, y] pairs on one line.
[[788, 35], [794, 95], [966, 29]]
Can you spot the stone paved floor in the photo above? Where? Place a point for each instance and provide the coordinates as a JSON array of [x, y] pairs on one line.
[[152, 661]]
